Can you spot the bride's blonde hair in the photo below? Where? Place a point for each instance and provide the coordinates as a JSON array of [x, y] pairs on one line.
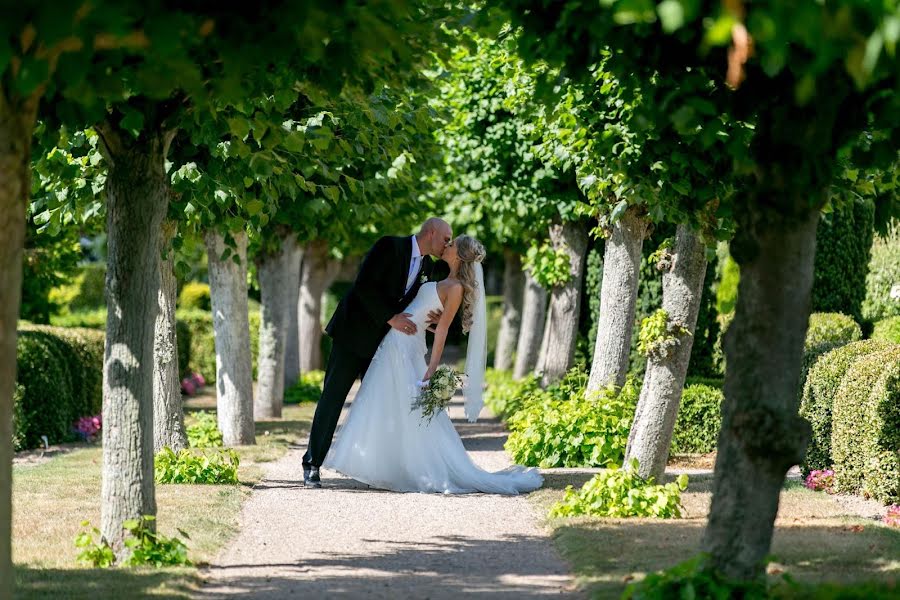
[[470, 251]]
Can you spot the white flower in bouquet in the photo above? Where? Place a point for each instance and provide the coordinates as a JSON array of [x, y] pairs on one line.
[[435, 394]]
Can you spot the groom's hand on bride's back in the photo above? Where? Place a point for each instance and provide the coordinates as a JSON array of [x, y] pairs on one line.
[[402, 323], [434, 317]]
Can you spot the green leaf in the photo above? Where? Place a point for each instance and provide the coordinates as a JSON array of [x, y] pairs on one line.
[[671, 14], [253, 207], [239, 127], [132, 121], [618, 210]]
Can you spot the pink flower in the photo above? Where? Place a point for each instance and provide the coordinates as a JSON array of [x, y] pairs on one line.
[[892, 517], [198, 379], [821, 480], [187, 386]]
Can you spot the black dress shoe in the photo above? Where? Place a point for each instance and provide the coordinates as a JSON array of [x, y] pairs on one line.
[[311, 476]]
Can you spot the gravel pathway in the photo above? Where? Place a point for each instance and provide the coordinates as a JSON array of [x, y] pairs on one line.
[[350, 540]]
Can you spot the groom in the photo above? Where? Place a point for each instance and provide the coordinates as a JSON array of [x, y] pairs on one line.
[[388, 280]]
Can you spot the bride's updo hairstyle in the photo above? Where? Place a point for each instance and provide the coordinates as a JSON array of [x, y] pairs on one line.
[[470, 251]]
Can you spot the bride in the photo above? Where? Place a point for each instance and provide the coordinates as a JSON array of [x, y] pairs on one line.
[[384, 443]]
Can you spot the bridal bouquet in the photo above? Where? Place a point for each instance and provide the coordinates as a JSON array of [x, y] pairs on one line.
[[435, 393]]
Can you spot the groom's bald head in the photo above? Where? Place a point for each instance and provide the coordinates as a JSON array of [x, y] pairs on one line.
[[434, 236]]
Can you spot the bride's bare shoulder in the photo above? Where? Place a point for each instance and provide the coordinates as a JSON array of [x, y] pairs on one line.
[[449, 288]]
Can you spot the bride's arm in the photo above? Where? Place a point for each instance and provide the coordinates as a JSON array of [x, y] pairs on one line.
[[451, 305]]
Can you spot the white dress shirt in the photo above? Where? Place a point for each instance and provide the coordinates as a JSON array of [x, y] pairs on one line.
[[415, 261]]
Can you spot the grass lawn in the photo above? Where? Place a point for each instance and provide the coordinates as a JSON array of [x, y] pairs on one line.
[[815, 539], [51, 499]]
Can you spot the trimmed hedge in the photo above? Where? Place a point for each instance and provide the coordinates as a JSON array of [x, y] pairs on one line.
[[884, 274], [202, 344], [91, 319], [87, 291], [819, 391], [829, 330], [18, 440], [887, 330], [865, 437], [194, 295], [843, 244], [61, 373], [699, 418], [96, 319]]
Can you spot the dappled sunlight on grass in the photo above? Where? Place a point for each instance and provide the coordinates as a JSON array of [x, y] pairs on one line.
[[815, 539], [50, 499]]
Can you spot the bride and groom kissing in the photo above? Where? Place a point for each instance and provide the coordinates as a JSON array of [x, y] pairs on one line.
[[378, 333]]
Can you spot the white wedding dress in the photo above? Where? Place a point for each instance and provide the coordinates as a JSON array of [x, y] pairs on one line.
[[385, 444]]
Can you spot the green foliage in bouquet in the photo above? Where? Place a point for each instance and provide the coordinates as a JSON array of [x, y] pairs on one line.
[[623, 493], [203, 430], [435, 396], [219, 467]]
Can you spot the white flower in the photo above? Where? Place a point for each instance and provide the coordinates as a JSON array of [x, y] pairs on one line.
[[423, 278], [895, 292]]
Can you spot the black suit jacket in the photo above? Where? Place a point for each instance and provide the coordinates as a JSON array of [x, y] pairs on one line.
[[360, 321]]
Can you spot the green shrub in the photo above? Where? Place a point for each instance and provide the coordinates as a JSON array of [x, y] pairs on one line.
[[593, 278], [203, 342], [622, 493], [183, 341], [821, 386], [203, 430], [91, 319], [716, 382], [18, 438], [560, 427], [494, 317], [884, 274], [705, 360], [47, 401], [887, 330], [87, 290], [697, 427], [307, 389], [61, 373], [830, 330], [505, 396], [194, 295], [218, 467], [729, 277], [695, 578], [148, 548], [865, 435], [843, 244]]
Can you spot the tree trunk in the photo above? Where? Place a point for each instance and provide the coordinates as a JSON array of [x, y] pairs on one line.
[[318, 273], [168, 414], [618, 295], [234, 372], [534, 313], [545, 337], [293, 268], [654, 421], [570, 237], [137, 198], [513, 290], [273, 270], [16, 130], [761, 436]]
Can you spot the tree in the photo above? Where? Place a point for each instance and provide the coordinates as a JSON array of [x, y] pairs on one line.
[[798, 52], [490, 141]]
